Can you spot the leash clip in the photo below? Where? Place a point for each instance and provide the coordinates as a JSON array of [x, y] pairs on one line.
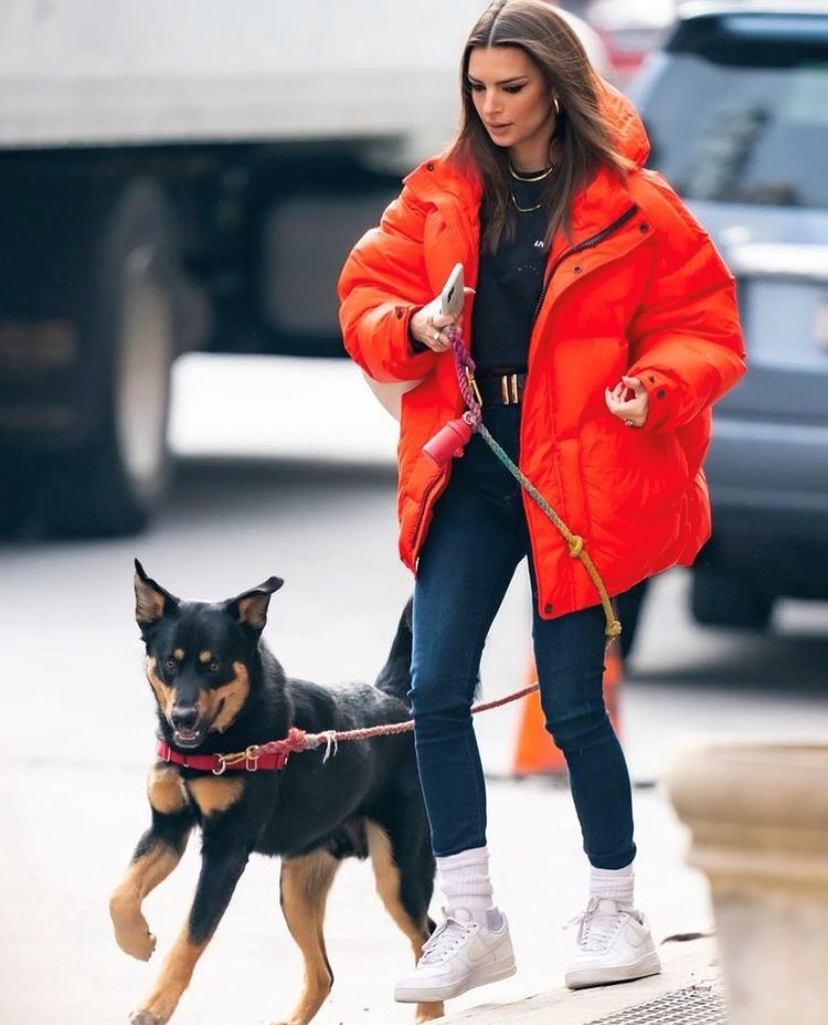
[[222, 766]]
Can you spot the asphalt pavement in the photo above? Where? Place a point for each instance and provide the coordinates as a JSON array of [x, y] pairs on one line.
[[257, 492]]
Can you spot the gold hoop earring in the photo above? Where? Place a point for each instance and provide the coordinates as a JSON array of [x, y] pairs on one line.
[[556, 105]]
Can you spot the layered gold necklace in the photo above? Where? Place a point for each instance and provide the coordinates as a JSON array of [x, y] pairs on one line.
[[528, 178], [532, 177]]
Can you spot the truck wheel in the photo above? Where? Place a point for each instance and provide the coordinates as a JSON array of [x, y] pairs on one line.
[[113, 485], [723, 598]]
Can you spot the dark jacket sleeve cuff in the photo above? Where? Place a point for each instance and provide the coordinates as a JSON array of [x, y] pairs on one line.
[[659, 390]]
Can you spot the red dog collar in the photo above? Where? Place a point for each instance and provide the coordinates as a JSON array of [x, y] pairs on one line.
[[250, 760]]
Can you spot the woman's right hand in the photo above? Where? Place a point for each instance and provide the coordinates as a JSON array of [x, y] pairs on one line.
[[428, 325]]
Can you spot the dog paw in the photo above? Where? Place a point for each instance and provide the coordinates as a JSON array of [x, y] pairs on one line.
[[138, 943], [131, 930], [145, 1018]]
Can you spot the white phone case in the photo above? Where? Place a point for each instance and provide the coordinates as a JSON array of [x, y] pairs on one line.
[[452, 297]]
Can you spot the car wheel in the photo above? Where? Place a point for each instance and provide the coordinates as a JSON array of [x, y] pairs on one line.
[[724, 598]]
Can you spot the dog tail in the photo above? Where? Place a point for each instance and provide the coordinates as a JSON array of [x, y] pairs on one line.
[[395, 675]]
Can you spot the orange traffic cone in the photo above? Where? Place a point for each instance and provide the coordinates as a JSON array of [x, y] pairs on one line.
[[536, 753]]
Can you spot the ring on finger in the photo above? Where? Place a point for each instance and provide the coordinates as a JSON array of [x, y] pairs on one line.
[[436, 336]]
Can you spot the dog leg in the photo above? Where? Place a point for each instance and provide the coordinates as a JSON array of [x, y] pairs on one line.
[[304, 885], [389, 885], [222, 864], [173, 980], [158, 852]]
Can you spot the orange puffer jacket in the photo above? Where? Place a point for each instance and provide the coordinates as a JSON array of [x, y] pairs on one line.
[[639, 290]]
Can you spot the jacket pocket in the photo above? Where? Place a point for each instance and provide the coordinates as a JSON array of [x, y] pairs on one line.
[[631, 476]]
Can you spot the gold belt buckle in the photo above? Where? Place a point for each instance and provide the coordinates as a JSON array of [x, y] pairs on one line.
[[509, 389]]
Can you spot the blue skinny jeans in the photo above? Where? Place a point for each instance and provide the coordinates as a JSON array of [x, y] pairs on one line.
[[476, 540]]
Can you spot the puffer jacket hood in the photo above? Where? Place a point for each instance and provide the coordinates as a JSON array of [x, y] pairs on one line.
[[639, 290], [628, 133]]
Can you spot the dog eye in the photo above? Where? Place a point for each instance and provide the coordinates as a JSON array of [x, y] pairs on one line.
[[214, 666], [171, 664]]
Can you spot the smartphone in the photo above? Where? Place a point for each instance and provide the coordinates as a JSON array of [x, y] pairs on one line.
[[452, 297]]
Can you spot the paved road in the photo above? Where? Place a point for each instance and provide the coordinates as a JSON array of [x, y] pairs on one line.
[[75, 734]]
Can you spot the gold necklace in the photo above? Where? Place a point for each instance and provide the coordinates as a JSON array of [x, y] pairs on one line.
[[524, 209], [532, 178]]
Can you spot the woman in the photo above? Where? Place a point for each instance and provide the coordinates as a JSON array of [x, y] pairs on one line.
[[604, 325]]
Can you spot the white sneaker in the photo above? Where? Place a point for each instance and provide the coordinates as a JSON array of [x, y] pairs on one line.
[[614, 945], [459, 955]]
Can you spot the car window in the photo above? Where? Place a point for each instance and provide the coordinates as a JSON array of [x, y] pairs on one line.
[[745, 122]]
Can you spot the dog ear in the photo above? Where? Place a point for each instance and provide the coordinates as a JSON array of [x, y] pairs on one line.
[[250, 607], [151, 600]]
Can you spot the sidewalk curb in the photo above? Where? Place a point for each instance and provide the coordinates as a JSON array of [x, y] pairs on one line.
[[685, 964]]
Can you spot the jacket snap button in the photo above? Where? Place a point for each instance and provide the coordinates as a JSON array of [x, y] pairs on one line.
[[547, 607], [398, 312], [651, 379], [660, 393], [578, 269], [429, 167], [643, 228]]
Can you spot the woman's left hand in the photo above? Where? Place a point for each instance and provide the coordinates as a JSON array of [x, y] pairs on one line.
[[631, 409]]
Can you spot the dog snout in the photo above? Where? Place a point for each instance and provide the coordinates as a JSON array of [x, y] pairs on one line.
[[184, 717]]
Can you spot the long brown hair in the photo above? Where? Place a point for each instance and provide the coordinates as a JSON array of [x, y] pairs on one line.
[[581, 132]]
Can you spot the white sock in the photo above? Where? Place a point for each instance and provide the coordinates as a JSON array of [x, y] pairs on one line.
[[464, 878], [616, 883]]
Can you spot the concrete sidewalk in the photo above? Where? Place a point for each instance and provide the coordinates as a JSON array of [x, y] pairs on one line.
[[688, 990]]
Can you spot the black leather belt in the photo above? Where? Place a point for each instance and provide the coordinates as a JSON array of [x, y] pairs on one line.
[[501, 389]]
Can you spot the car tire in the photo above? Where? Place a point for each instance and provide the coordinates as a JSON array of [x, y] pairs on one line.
[[113, 484], [723, 598]]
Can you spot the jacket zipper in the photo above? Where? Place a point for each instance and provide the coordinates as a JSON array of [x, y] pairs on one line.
[[589, 243], [586, 244]]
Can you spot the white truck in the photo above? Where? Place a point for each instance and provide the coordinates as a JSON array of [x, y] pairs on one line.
[[177, 176]]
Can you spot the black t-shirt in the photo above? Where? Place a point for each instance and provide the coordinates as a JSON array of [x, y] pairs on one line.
[[509, 285]]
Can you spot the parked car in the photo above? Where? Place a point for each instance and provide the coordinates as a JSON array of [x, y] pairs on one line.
[[736, 106], [630, 29], [594, 44]]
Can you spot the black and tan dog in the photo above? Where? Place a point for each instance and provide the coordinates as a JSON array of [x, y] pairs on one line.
[[220, 690]]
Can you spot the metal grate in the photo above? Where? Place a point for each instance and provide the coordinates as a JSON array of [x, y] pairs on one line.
[[697, 1005]]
